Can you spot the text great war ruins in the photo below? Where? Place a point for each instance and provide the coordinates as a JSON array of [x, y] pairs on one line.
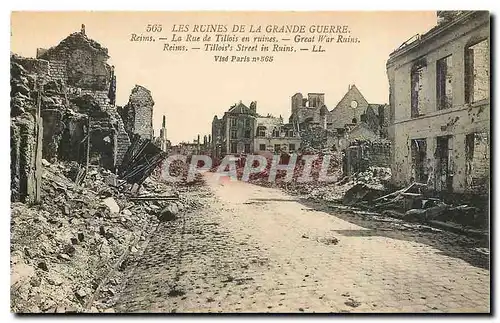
[[109, 216]]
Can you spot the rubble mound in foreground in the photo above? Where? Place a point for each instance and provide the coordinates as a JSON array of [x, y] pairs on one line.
[[63, 249]]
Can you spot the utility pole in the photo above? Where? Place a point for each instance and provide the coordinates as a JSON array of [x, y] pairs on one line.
[[88, 149], [39, 144]]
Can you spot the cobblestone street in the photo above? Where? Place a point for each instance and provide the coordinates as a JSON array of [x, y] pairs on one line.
[[256, 249]]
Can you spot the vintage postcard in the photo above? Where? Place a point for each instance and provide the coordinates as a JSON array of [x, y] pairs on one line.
[[250, 162]]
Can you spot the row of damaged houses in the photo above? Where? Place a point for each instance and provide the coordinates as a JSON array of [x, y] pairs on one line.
[[311, 126], [435, 129], [63, 107]]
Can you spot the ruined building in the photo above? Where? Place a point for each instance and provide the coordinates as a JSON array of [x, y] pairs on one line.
[[243, 131], [352, 109], [440, 105], [63, 107], [234, 132], [309, 111], [271, 134], [89, 84], [137, 114], [353, 118]]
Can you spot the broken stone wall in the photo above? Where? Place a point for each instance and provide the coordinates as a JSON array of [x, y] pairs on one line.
[[79, 64], [54, 106], [57, 70], [143, 103], [62, 122], [458, 121], [122, 138], [137, 115], [380, 154], [24, 152], [82, 60], [363, 154], [33, 66]]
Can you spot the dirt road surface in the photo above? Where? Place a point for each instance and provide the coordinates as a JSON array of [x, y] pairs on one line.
[[256, 249]]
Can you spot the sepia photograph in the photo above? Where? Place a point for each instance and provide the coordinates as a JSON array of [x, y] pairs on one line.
[[238, 162]]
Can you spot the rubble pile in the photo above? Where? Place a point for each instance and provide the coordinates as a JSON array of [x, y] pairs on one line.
[[375, 178], [262, 178], [63, 249], [416, 203], [316, 140]]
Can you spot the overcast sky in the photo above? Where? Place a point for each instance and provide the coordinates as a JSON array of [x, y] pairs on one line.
[[190, 87]]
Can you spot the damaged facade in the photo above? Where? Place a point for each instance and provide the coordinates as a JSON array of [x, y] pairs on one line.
[[272, 135], [440, 105], [243, 131], [311, 128], [63, 104], [351, 110]]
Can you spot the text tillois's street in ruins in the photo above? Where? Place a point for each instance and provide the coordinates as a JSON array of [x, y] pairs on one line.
[[358, 207]]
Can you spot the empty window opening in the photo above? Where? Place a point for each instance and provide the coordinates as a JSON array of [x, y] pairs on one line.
[[418, 157], [417, 83], [443, 83], [477, 161], [477, 72], [261, 131], [444, 175]]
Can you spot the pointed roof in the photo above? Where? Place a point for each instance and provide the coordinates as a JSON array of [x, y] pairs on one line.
[[240, 108], [352, 93]]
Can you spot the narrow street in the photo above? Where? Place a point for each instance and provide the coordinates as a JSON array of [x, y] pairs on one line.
[[255, 249]]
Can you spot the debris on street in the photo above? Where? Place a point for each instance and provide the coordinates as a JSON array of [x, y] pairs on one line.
[[62, 247]]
